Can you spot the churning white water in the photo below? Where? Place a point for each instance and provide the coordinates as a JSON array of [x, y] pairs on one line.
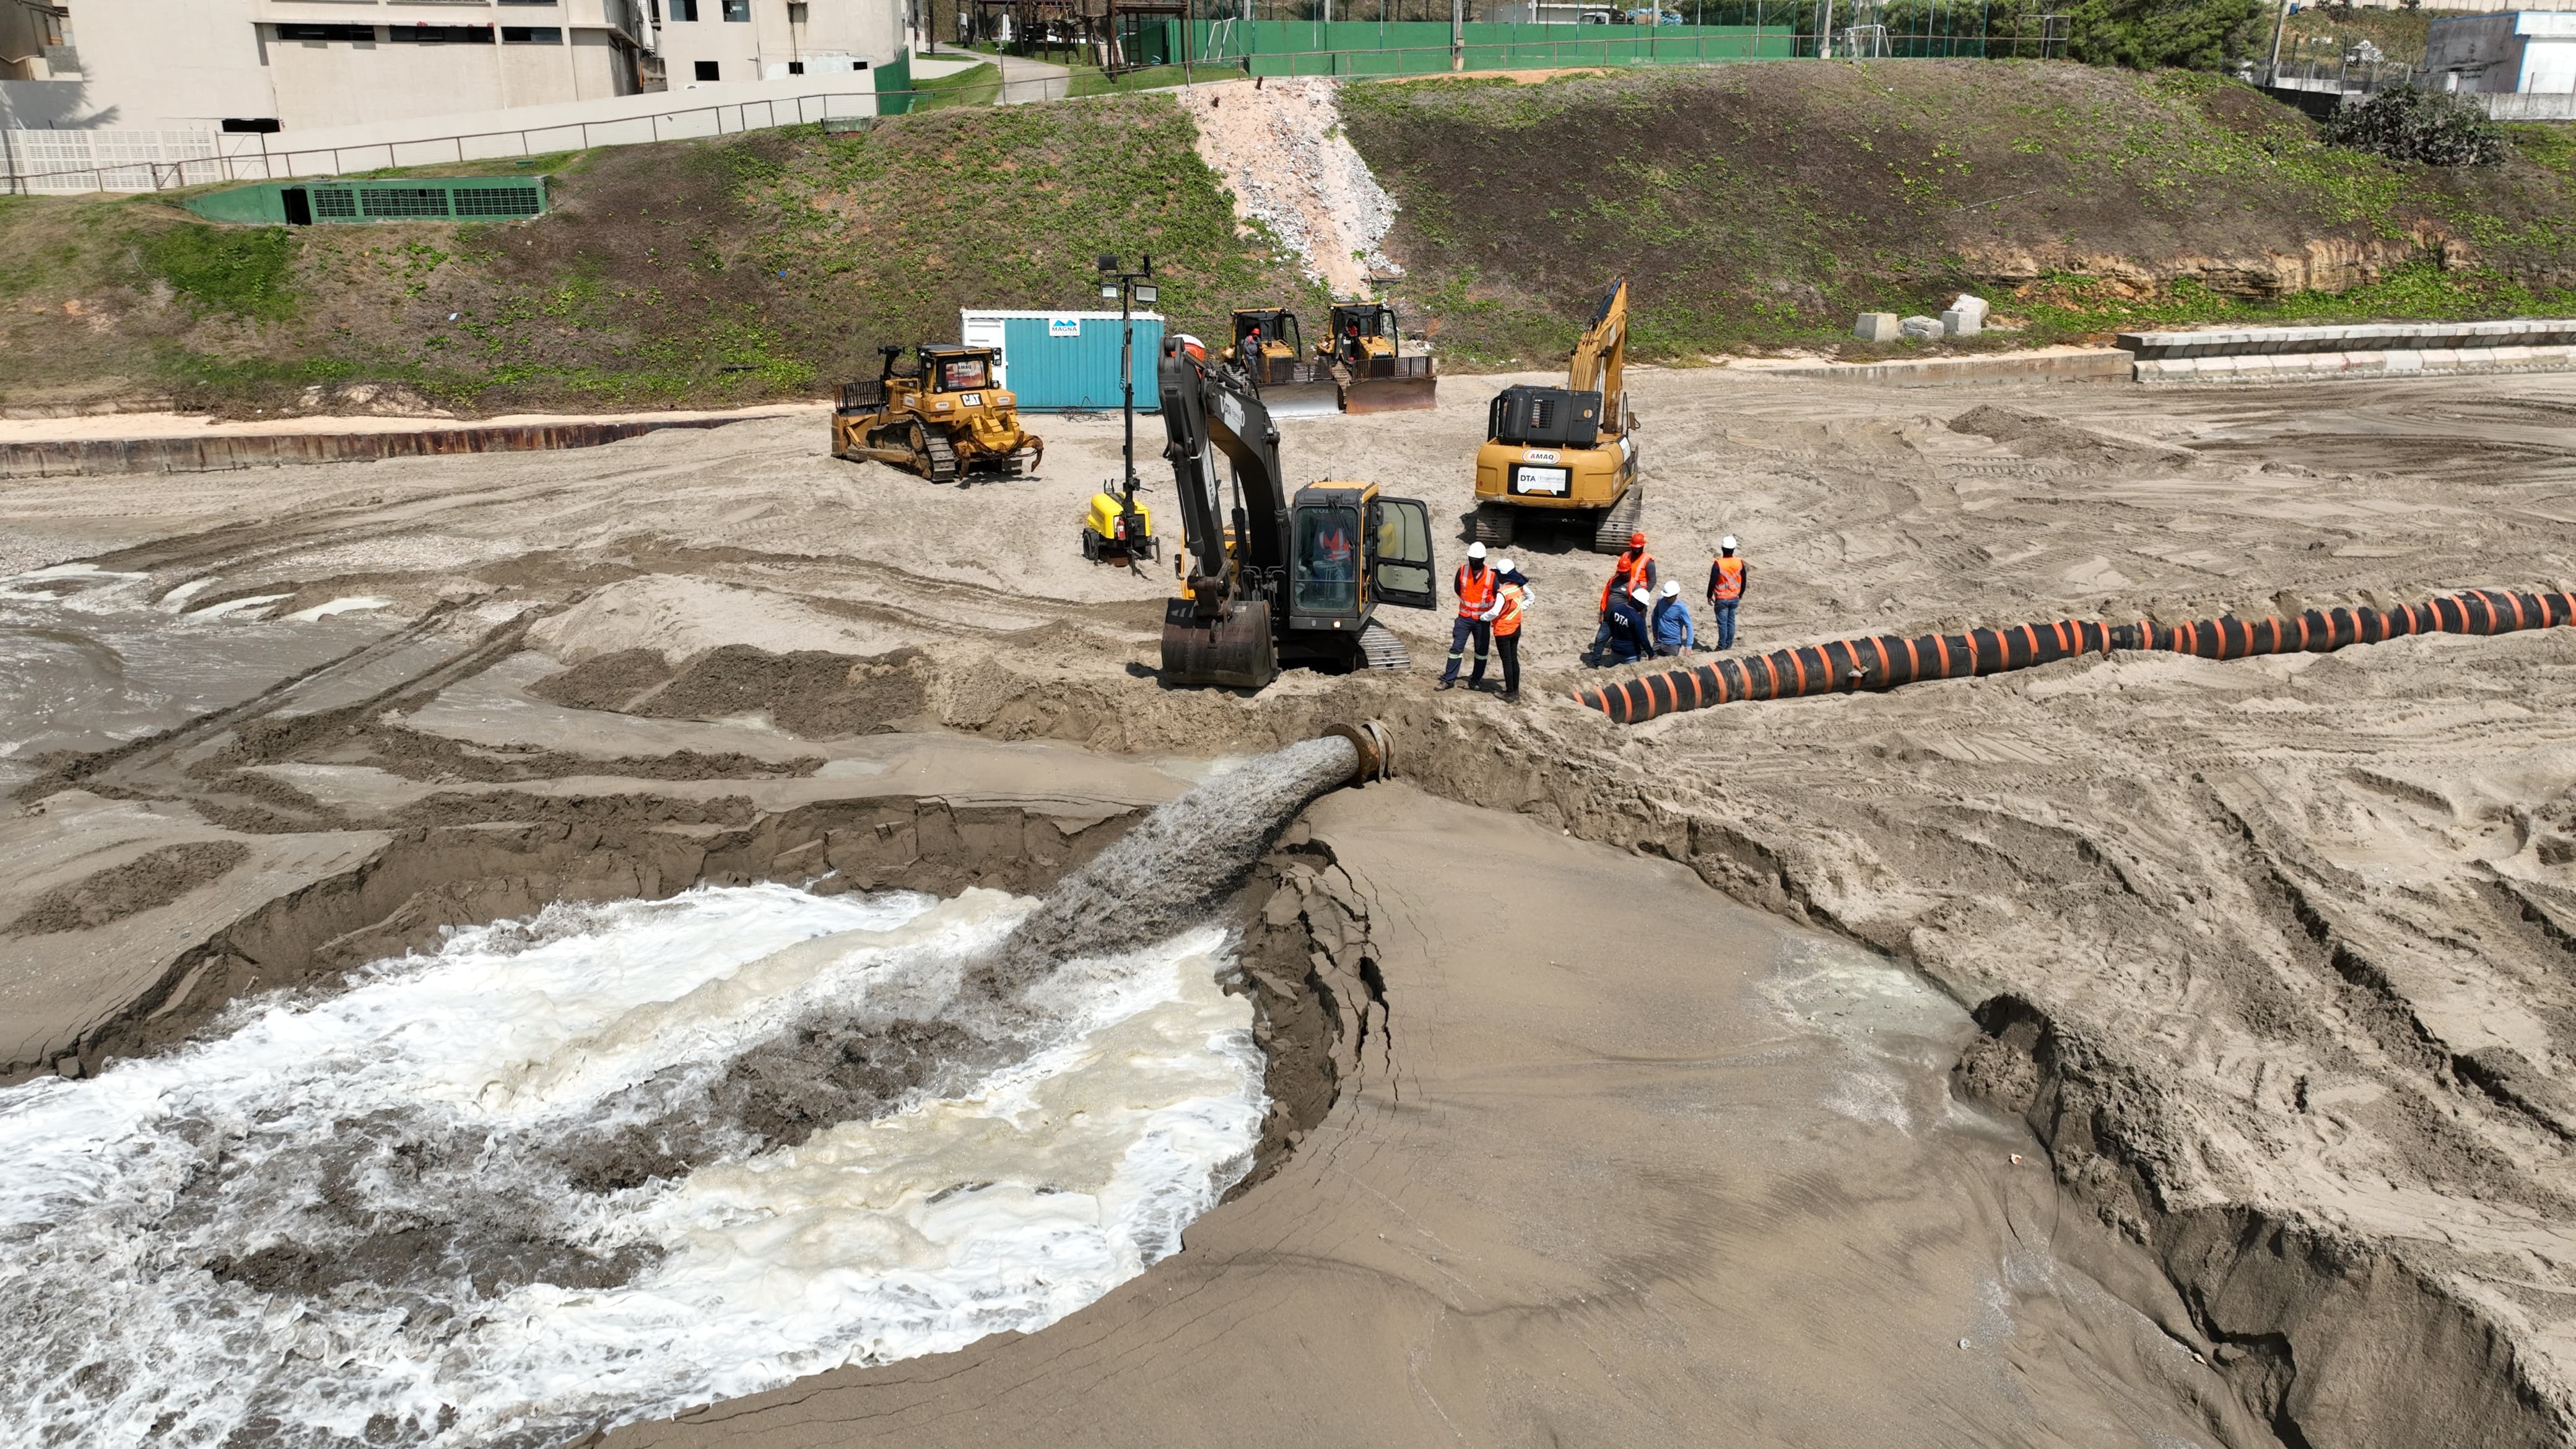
[[378, 1216]]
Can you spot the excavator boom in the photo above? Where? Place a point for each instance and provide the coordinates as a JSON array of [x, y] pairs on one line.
[[1600, 361], [1220, 632]]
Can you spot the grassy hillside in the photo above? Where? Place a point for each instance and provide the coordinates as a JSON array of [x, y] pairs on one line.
[[695, 273], [1762, 206], [1757, 207]]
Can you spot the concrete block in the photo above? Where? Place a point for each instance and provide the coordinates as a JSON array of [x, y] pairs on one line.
[[2404, 360], [1920, 327], [1966, 316], [1876, 327]]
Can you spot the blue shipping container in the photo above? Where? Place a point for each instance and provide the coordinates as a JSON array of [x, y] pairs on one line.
[[1067, 361]]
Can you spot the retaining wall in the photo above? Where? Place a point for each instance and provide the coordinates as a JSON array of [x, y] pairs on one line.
[[224, 453], [2379, 349]]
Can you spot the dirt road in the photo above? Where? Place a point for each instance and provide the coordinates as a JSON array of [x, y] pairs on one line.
[[2273, 955]]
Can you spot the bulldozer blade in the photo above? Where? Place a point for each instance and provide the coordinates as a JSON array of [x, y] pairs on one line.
[[1390, 394], [1321, 399], [1236, 650]]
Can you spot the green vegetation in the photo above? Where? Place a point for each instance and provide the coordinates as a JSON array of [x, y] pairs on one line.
[[242, 271], [978, 85], [1760, 207], [1756, 207]]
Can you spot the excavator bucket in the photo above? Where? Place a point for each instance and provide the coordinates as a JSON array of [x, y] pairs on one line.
[[1237, 649]]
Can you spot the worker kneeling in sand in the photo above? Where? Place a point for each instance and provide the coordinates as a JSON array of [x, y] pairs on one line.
[[1632, 636], [1511, 609], [1674, 633], [1726, 580], [1634, 569]]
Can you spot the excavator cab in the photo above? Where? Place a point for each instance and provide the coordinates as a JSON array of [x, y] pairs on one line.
[[1355, 550]]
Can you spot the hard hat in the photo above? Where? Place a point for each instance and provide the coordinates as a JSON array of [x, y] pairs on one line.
[[1727, 543], [1636, 540], [1506, 566], [1641, 596], [1475, 550], [1672, 588]]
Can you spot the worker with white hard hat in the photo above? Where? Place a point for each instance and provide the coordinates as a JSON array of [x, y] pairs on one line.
[[1478, 601], [1727, 577], [1511, 610], [1671, 621]]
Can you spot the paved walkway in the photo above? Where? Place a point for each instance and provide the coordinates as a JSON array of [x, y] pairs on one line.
[[1025, 80]]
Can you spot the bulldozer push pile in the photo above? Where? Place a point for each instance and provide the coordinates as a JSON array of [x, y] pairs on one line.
[[1570, 451], [943, 417]]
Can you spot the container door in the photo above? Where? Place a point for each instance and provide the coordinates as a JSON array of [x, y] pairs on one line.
[[983, 331], [1403, 571], [299, 206]]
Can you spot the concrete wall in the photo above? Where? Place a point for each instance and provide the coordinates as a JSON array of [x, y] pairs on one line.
[[169, 63]]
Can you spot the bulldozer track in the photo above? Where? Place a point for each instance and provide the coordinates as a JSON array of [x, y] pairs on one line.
[[942, 459]]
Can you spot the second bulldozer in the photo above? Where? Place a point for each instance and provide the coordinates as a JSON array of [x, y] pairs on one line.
[[944, 417], [1368, 360]]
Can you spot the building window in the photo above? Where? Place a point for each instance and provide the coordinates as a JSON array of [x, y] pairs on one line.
[[326, 32], [706, 70], [795, 67], [737, 9], [440, 34], [528, 2], [532, 35], [684, 9]]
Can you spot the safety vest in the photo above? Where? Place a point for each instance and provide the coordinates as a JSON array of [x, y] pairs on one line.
[[1335, 546], [1475, 591], [1508, 622], [1729, 584], [1625, 569]]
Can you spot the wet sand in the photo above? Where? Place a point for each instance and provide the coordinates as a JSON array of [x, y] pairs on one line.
[[2271, 955]]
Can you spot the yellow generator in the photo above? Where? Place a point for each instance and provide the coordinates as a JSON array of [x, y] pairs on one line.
[[943, 417], [1367, 357], [1118, 529], [1568, 451]]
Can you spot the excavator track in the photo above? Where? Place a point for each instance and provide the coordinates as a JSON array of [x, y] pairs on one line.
[[1610, 535], [1383, 650], [1494, 524]]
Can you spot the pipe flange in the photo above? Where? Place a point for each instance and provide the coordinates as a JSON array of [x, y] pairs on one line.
[[1373, 747]]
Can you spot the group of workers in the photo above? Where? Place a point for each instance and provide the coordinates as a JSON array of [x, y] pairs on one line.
[[1642, 612], [1643, 615]]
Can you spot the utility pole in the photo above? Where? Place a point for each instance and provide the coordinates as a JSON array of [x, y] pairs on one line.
[[2280, 23], [1457, 34]]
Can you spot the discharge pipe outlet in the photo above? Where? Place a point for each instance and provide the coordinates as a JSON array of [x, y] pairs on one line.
[[1885, 661], [1373, 748]]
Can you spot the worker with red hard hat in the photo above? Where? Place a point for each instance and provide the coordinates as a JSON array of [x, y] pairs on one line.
[[1634, 569]]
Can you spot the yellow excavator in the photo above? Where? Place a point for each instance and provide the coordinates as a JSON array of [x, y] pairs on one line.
[[1269, 350], [1268, 577], [1569, 451], [1367, 358], [944, 417]]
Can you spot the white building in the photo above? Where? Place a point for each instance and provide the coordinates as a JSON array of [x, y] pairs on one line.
[[704, 41], [315, 65], [2515, 52]]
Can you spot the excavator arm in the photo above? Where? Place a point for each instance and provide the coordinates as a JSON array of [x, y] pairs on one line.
[[1211, 409], [1222, 632], [1601, 357]]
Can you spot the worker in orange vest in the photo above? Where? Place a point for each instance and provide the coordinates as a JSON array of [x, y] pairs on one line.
[[1511, 607], [1726, 579], [1634, 569], [1476, 587]]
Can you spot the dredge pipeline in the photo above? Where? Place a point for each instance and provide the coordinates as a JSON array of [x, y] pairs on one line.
[[1885, 661]]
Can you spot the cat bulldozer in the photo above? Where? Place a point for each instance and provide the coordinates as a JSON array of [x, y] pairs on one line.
[[1370, 365], [1269, 577], [1269, 350], [1568, 452], [943, 417]]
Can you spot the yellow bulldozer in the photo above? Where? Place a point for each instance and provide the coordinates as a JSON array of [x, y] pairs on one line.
[[1369, 363], [1269, 349], [1567, 451], [944, 417]]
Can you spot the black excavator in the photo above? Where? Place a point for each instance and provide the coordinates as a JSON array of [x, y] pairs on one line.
[[1268, 578]]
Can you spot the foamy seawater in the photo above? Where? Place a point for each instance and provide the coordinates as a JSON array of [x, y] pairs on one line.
[[366, 1217]]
